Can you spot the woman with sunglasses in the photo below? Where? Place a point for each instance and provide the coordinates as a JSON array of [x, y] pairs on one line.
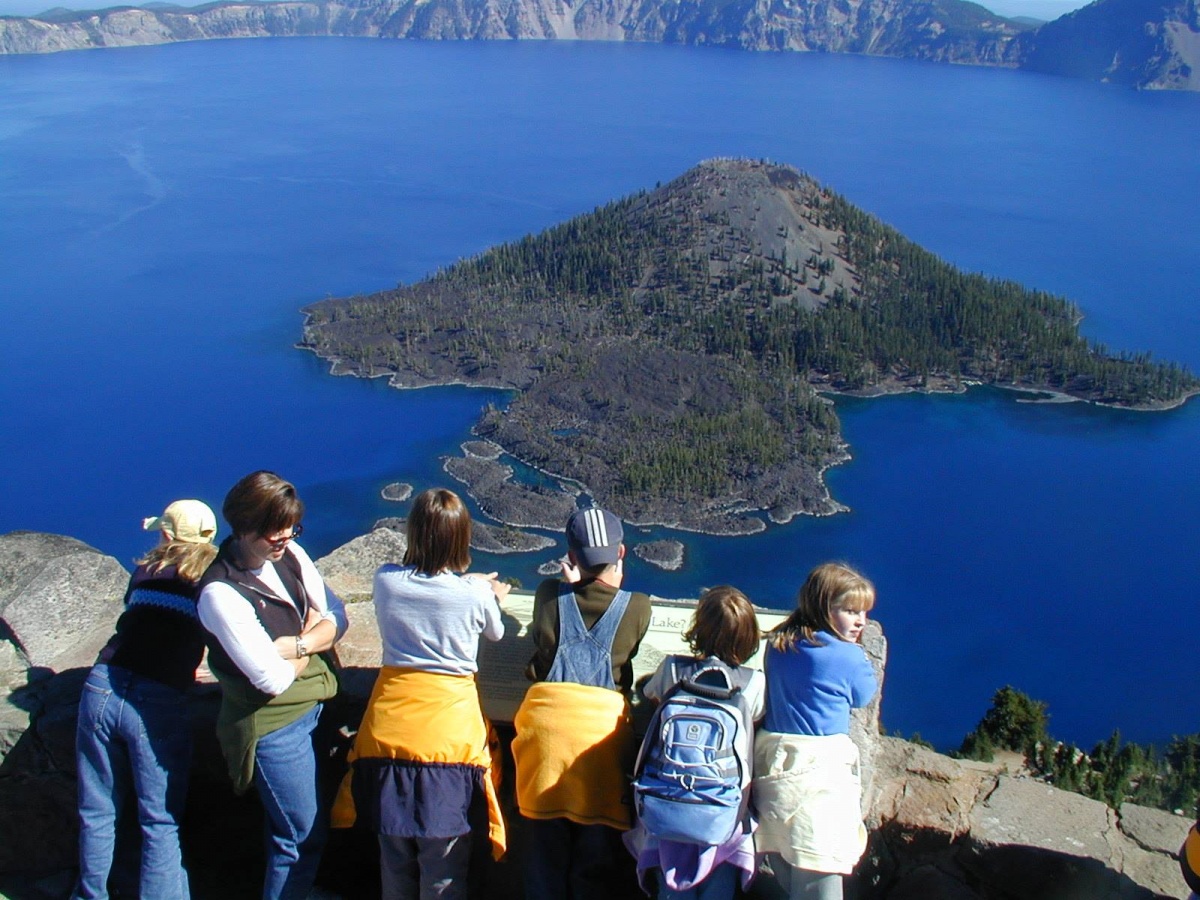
[[270, 616]]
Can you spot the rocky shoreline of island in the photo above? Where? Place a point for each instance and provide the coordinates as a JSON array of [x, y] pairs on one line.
[[670, 352], [396, 492], [666, 555], [493, 485], [1041, 394], [517, 506]]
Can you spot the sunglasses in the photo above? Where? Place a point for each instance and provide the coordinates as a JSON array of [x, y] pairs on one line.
[[278, 542]]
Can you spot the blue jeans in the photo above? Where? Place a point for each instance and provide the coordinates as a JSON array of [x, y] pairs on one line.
[[131, 731], [803, 884], [285, 774]]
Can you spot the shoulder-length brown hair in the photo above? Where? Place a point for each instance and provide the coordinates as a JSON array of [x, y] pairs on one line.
[[828, 587], [439, 533], [724, 626], [262, 503]]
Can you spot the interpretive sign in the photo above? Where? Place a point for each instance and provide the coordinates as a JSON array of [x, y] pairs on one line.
[[502, 680]]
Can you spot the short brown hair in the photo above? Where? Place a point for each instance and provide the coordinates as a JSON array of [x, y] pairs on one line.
[[828, 587], [439, 533], [724, 626], [262, 503]]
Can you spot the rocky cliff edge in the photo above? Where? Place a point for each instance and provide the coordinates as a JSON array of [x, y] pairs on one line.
[[941, 829]]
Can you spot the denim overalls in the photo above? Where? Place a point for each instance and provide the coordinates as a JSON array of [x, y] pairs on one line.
[[585, 657], [572, 860]]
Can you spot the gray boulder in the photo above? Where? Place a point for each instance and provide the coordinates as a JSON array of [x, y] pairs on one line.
[[350, 569], [59, 601], [59, 598]]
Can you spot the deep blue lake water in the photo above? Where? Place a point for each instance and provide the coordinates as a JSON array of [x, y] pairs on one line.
[[165, 211]]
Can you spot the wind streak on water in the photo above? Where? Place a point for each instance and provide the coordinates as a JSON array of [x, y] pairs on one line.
[[154, 187]]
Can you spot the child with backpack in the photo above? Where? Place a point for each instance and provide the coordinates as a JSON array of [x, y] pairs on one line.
[[807, 792], [692, 778]]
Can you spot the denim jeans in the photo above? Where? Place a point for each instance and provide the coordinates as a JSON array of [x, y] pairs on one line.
[[131, 731], [285, 775], [802, 884]]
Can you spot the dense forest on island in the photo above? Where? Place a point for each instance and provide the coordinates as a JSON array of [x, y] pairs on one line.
[[666, 346]]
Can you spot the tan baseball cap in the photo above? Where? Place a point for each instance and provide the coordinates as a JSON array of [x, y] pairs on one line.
[[185, 520]]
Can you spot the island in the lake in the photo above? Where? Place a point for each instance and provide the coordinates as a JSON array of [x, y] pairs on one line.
[[397, 491], [668, 349], [666, 555]]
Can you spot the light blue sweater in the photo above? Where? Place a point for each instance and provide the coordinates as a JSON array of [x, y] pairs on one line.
[[433, 622]]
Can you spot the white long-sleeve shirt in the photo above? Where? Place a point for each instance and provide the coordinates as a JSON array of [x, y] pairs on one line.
[[232, 621]]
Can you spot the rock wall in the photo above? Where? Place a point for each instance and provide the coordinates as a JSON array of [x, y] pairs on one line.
[[1144, 43], [941, 829], [959, 830], [880, 27]]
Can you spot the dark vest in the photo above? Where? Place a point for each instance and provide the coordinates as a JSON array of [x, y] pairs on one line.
[[279, 618], [159, 634]]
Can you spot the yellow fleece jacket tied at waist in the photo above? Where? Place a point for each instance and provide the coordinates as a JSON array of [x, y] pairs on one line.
[[423, 718], [808, 793], [573, 750]]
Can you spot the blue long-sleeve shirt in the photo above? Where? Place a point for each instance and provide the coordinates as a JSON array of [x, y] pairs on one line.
[[811, 689]]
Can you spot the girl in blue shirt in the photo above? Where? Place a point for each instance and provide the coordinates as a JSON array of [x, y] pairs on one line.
[[806, 780]]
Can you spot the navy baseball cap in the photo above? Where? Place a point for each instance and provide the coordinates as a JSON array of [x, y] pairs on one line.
[[595, 535]]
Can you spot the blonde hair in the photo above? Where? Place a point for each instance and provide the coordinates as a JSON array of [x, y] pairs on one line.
[[190, 559], [828, 587]]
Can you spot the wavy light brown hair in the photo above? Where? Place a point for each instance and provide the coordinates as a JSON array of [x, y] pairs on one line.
[[724, 626], [262, 503], [189, 558], [828, 587], [439, 533]]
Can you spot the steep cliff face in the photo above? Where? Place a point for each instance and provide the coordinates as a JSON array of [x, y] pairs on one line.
[[1143, 43], [949, 31], [946, 30]]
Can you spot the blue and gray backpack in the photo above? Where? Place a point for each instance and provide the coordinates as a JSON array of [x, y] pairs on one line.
[[689, 773]]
